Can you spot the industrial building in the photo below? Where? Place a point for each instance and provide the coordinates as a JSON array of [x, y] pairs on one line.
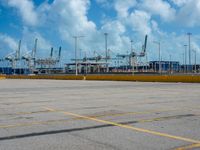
[[164, 66], [86, 67]]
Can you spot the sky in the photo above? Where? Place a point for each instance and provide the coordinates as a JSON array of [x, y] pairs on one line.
[[55, 22]]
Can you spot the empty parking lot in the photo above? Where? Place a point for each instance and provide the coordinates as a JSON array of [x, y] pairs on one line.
[[100, 115]]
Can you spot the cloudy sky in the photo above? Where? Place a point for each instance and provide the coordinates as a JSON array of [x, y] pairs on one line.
[[55, 22]]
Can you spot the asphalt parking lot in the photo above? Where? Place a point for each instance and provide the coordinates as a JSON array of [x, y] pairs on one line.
[[98, 115]]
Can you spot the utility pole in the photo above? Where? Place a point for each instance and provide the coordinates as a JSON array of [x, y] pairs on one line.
[[158, 43], [76, 43], [17, 57], [32, 61], [85, 63], [80, 54], [170, 62], [131, 57], [185, 58], [183, 61], [189, 46], [106, 50], [131, 46], [195, 61], [127, 62]]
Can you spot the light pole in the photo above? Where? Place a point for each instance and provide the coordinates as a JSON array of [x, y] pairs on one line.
[[158, 43], [183, 61], [131, 57], [85, 63], [195, 60], [76, 43], [189, 47], [127, 62], [80, 54], [170, 62], [106, 50], [1, 65], [185, 58]]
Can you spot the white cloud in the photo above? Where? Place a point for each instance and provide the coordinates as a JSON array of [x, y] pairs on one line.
[[116, 38], [62, 19], [160, 8], [180, 2], [8, 45], [43, 46], [26, 10], [9, 41], [105, 3], [122, 7], [189, 14], [77, 23], [155, 29], [70, 18], [139, 21]]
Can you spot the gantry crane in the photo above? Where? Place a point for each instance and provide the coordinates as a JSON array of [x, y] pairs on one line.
[[50, 61], [30, 57], [133, 56], [14, 57]]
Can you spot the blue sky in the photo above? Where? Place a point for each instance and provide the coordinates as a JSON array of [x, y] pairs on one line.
[[55, 22]]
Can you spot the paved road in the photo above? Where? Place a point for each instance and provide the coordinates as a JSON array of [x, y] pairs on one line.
[[98, 115]]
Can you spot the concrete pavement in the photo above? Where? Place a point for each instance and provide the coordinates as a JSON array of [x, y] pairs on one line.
[[100, 115]]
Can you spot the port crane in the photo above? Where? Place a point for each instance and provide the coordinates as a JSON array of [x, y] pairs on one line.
[[30, 57], [14, 56], [133, 56]]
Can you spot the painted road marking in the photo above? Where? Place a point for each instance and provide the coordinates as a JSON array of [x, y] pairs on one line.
[[93, 116], [189, 147], [101, 115], [127, 126], [75, 118]]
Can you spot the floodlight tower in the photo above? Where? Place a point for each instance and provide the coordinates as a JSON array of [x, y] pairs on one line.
[[158, 43], [51, 54], [195, 60], [76, 43], [189, 46], [131, 57], [34, 54], [59, 53], [185, 66], [17, 56], [106, 50]]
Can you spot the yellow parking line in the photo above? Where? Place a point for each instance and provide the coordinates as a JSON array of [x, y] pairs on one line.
[[98, 115], [189, 147], [75, 118], [58, 121], [127, 126], [93, 116]]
